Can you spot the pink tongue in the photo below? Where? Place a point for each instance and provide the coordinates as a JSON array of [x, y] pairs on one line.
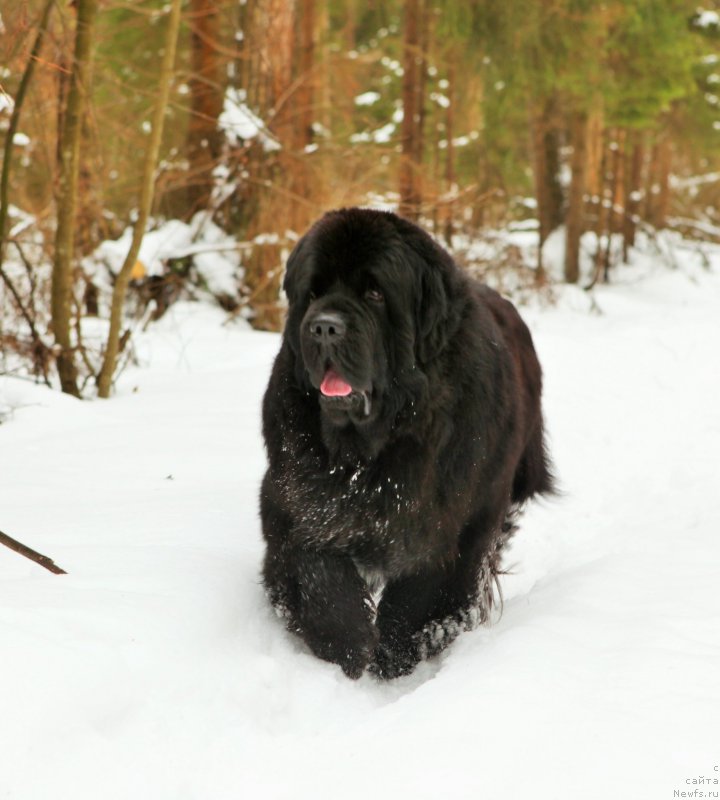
[[334, 386]]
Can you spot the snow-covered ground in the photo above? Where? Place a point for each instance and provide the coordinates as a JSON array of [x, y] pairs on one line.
[[154, 670]]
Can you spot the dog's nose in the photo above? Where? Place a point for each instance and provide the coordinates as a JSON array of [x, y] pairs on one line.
[[327, 328]]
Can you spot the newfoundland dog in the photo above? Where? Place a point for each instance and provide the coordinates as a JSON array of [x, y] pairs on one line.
[[403, 429]]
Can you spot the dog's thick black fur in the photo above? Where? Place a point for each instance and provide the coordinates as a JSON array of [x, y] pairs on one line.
[[403, 429]]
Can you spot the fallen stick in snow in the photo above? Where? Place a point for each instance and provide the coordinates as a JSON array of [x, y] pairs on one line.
[[38, 558]]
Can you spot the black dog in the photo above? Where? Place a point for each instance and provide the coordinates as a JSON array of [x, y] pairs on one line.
[[403, 428]]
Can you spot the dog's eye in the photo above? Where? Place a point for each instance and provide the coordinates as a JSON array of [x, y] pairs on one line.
[[375, 295], [312, 296]]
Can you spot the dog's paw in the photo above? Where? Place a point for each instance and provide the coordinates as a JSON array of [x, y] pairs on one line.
[[394, 661], [352, 649]]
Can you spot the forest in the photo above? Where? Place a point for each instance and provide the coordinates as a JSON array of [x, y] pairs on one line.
[[223, 128], [159, 161]]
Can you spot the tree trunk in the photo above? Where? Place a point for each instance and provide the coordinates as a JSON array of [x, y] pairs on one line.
[[657, 200], [276, 29], [277, 205], [619, 169], [554, 187], [62, 275], [409, 166], [207, 94], [616, 212], [651, 184], [574, 219], [295, 166], [350, 27], [421, 89], [595, 179], [450, 151], [548, 191], [305, 94], [146, 197], [246, 72], [662, 206], [14, 120], [601, 205], [633, 193], [547, 168]]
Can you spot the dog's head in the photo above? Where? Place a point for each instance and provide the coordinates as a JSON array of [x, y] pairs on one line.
[[371, 307]]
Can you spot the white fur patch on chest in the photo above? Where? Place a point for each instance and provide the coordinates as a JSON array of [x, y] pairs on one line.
[[374, 580]]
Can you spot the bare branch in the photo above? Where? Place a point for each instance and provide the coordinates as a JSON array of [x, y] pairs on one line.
[[33, 555]]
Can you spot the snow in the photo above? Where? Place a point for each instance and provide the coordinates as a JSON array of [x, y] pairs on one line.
[[393, 66], [442, 100], [367, 99], [707, 19], [460, 141], [380, 136], [155, 669], [214, 253], [241, 124], [6, 102], [21, 139]]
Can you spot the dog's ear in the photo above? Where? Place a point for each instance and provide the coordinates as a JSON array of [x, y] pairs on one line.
[[297, 271], [430, 315], [293, 268], [435, 311]]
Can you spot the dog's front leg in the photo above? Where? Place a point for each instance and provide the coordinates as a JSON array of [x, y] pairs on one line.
[[325, 601]]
